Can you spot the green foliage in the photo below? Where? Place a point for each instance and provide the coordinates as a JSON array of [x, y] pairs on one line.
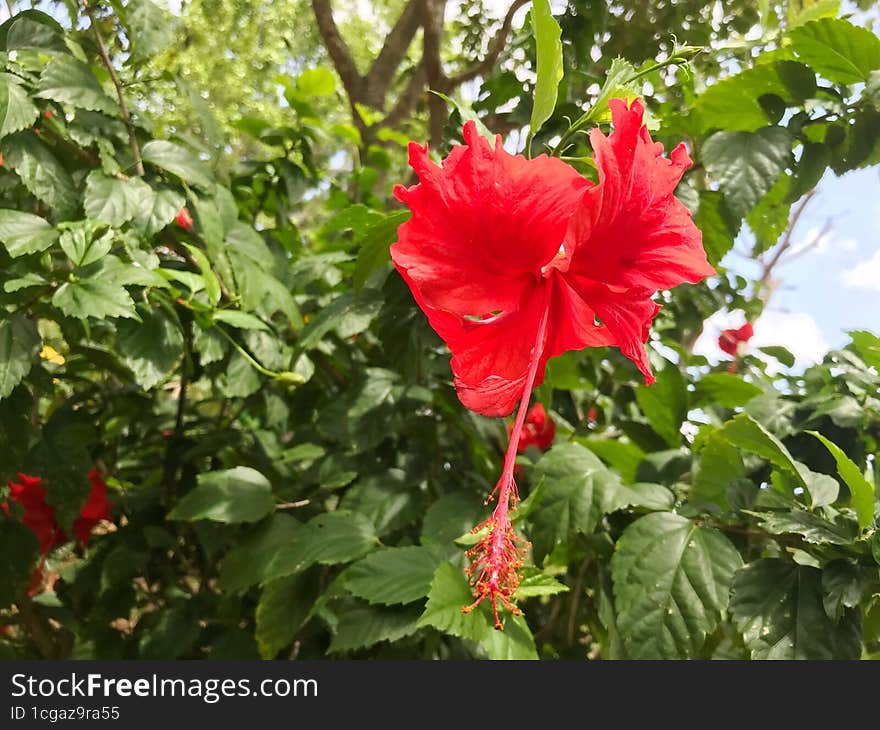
[[290, 470]]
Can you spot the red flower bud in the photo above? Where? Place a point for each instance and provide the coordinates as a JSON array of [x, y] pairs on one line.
[[733, 341], [184, 219]]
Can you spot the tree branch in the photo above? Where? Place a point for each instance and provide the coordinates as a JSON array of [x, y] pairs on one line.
[[496, 46], [766, 283], [381, 74], [408, 98], [338, 50], [123, 107]]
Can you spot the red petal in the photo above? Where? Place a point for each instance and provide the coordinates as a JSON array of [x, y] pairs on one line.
[[630, 230], [483, 224]]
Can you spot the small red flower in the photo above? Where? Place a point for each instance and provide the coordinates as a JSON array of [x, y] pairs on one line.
[[184, 219], [539, 430], [733, 341], [2, 161], [39, 515], [515, 261], [48, 114], [592, 415]]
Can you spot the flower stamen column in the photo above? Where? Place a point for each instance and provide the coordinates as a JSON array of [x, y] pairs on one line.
[[498, 556]]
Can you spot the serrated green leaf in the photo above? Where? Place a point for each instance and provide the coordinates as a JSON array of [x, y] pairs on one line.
[[449, 593], [747, 164], [861, 490], [40, 172], [19, 345], [177, 160], [733, 103], [779, 353], [548, 45], [94, 297], [777, 607], [248, 562], [812, 526], [514, 643], [374, 249], [578, 491], [241, 320], [150, 348], [768, 220], [240, 494], [70, 81], [724, 389], [671, 583], [624, 456], [720, 466], [837, 49], [717, 224], [282, 609], [24, 233], [393, 575], [535, 583], [211, 282], [665, 404], [81, 245], [364, 626], [327, 539], [115, 201], [17, 111], [165, 205], [150, 29]]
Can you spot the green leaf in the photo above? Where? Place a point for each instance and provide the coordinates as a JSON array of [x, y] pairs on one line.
[[393, 575], [364, 626], [78, 241], [69, 81], [621, 455], [734, 103], [24, 233], [40, 172], [374, 250], [248, 562], [838, 50], [150, 348], [20, 547], [867, 345], [812, 526], [240, 494], [115, 201], [17, 111], [671, 584], [94, 297], [779, 353], [842, 587], [514, 643], [281, 611], [724, 389], [177, 160], [861, 490], [450, 516], [315, 82], [747, 164], [720, 466], [328, 539], [211, 282], [746, 433], [777, 607], [578, 491], [768, 220], [165, 205], [716, 223], [19, 345], [548, 46], [150, 30], [241, 320], [450, 592], [535, 583], [665, 403]]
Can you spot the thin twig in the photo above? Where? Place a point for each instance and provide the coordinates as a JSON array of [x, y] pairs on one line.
[[123, 107], [765, 283]]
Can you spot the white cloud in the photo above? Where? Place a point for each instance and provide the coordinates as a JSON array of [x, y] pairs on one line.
[[864, 275], [795, 331]]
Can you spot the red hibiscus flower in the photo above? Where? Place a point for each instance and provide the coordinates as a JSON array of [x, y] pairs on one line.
[[733, 341], [515, 261], [39, 515], [184, 219], [539, 430]]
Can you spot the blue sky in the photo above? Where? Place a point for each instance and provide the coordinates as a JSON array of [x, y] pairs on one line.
[[831, 288]]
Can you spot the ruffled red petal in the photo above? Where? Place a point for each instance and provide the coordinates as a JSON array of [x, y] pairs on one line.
[[483, 224], [631, 237], [96, 508]]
